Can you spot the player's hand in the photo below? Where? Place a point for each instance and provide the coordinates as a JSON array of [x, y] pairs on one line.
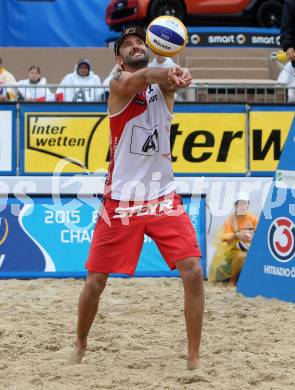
[[186, 76], [291, 53], [178, 77]]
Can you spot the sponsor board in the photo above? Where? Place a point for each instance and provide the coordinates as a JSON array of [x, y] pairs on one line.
[[69, 222], [285, 179], [281, 239], [80, 138], [7, 140], [269, 128], [230, 37], [201, 142], [209, 142], [209, 139], [269, 269]]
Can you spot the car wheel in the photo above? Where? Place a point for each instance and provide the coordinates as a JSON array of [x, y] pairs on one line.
[[269, 13], [166, 7]]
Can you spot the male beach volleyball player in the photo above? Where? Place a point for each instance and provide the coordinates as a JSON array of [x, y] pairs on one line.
[[140, 193]]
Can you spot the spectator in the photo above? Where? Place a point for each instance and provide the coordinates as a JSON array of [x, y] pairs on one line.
[[82, 76], [113, 73], [161, 62], [280, 57], [288, 29], [233, 242], [287, 76], [31, 92], [6, 78]]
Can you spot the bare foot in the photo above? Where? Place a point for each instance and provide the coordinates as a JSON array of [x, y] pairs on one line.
[[78, 353], [192, 364]]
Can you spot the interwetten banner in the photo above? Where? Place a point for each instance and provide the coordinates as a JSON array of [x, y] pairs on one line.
[[204, 139]]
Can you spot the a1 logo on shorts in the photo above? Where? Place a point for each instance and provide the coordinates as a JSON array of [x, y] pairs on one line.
[[144, 141], [281, 239]]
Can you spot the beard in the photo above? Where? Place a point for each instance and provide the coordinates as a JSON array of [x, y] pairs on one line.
[[137, 63]]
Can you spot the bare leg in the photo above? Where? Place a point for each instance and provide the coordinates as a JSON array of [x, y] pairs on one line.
[[88, 306], [192, 276]]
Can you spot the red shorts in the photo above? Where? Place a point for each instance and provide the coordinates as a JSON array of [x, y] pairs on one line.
[[119, 234]]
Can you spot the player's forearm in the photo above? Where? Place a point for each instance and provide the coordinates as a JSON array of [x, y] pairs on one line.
[[133, 82], [155, 75]]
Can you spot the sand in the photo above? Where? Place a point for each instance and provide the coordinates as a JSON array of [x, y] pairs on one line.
[[138, 338]]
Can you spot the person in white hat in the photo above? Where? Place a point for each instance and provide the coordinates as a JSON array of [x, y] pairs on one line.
[[234, 241], [287, 76]]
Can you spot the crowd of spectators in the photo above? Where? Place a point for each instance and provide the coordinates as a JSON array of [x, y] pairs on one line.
[[82, 85], [6, 78], [86, 85]]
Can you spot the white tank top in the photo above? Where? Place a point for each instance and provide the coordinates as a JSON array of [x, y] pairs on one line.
[[140, 155]]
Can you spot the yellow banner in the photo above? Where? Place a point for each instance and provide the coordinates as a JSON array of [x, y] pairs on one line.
[[200, 142], [209, 142], [268, 133], [80, 138]]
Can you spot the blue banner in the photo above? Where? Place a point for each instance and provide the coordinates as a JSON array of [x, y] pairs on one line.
[[77, 23], [42, 237], [270, 266], [56, 23], [233, 37]]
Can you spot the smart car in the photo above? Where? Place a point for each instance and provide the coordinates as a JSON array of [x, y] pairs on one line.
[[263, 13]]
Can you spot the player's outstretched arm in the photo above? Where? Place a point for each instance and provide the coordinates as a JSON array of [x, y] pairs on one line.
[[127, 83]]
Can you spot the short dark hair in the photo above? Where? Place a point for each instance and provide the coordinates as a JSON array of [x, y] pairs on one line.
[[37, 67], [131, 30]]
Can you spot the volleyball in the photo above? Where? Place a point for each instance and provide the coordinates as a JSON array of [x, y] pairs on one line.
[[166, 36]]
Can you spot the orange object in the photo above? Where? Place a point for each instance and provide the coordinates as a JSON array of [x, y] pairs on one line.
[[238, 223], [257, 12]]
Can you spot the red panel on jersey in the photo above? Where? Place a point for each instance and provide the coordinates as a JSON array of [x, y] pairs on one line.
[[136, 107]]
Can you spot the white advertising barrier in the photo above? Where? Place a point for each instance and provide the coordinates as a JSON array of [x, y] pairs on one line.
[[220, 198], [7, 159], [219, 194]]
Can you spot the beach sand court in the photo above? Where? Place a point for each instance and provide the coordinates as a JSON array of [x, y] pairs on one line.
[[138, 338]]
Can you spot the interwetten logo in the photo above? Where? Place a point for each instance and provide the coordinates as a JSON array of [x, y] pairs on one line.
[[281, 239]]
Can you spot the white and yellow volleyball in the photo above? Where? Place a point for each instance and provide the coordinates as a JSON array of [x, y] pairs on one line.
[[166, 36]]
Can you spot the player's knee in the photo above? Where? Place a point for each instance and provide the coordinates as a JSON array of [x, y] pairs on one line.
[[197, 273], [95, 285], [193, 273]]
